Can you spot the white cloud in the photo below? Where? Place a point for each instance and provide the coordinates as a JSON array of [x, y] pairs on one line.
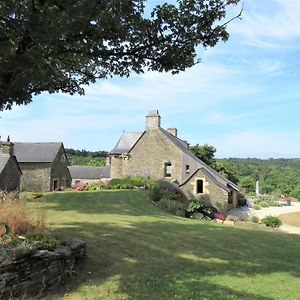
[[272, 23], [270, 67]]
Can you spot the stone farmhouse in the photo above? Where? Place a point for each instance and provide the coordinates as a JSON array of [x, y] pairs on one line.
[[89, 174], [44, 166], [160, 154], [10, 172]]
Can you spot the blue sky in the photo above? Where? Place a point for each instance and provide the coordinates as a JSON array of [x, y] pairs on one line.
[[243, 98]]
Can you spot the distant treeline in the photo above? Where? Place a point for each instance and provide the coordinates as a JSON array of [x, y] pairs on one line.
[[86, 158], [277, 176], [86, 153]]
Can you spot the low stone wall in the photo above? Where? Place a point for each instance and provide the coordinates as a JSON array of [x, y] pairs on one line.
[[31, 274]]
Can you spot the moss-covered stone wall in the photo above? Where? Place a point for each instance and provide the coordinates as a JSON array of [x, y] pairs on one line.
[[30, 275]]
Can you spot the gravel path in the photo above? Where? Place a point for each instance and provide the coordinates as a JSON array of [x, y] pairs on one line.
[[273, 211]]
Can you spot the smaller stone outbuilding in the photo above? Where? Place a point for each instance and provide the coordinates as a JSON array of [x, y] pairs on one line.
[[10, 172], [44, 166], [89, 174]]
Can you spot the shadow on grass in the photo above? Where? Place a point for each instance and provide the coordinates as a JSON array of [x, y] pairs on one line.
[[136, 251], [166, 260]]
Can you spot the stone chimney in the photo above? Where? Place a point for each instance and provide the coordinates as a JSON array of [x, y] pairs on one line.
[[173, 131], [7, 148], [153, 120]]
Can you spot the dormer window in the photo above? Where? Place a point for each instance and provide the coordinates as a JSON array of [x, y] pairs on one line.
[[168, 169]]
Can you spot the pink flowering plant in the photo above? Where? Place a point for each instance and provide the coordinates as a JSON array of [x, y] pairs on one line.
[[217, 215], [78, 186]]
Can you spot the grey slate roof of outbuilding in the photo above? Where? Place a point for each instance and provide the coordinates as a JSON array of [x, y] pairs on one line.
[[126, 142], [36, 152], [3, 161], [89, 172]]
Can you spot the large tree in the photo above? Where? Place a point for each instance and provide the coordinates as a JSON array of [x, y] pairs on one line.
[[205, 152], [61, 45]]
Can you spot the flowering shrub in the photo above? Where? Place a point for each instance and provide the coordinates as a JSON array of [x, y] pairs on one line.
[[168, 190], [78, 186], [217, 215]]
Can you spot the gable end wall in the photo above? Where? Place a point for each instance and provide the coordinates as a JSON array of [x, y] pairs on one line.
[[60, 171], [147, 158], [213, 194], [36, 177], [10, 176]]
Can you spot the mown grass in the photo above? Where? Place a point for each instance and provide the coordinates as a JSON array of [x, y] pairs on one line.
[[136, 251], [291, 219]]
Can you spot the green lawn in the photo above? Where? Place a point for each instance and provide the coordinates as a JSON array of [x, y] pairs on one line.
[[291, 219], [136, 251]]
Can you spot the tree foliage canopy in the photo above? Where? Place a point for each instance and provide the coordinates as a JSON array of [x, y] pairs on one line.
[[61, 45], [205, 152]]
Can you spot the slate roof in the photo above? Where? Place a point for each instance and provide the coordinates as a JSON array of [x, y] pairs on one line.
[[3, 161], [126, 142], [36, 152], [88, 172]]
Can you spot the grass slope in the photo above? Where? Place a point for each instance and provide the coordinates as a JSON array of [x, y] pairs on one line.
[[136, 251]]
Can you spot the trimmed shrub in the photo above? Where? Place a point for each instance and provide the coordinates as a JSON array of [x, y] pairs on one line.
[[272, 221], [264, 203], [255, 219], [256, 206], [94, 186], [130, 183], [274, 203]]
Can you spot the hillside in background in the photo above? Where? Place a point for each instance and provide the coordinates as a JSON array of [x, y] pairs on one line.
[[86, 158], [277, 176]]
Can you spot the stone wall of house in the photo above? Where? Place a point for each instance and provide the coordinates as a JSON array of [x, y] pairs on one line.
[[10, 177], [212, 193], [36, 177], [148, 158], [60, 171], [116, 167], [30, 275], [234, 197]]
